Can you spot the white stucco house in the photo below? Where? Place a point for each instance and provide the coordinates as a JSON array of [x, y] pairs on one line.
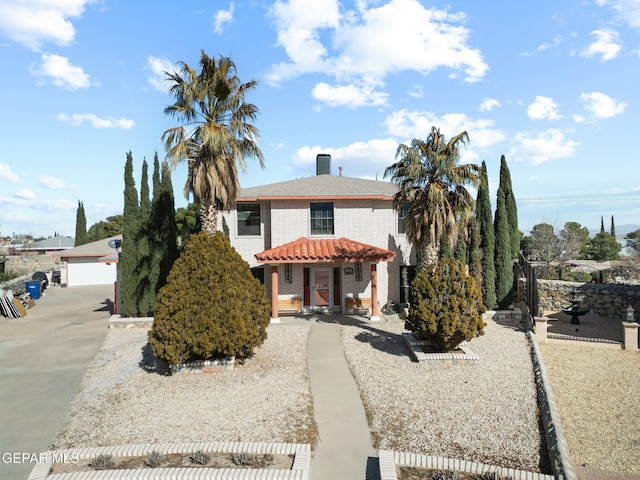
[[89, 264], [325, 242]]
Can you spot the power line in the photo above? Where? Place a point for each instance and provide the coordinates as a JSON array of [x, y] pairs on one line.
[[611, 197]]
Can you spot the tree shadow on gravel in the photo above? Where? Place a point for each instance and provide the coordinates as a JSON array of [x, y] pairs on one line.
[[150, 364], [384, 341], [513, 324]]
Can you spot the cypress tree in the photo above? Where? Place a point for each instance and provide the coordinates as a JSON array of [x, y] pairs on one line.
[[487, 239], [156, 177], [601, 224], [503, 259], [512, 209], [144, 288], [460, 250], [130, 232], [613, 228], [81, 226], [169, 229], [163, 234], [474, 256], [155, 235], [445, 249]]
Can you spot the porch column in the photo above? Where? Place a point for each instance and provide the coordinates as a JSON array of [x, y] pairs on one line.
[[374, 293], [274, 294]]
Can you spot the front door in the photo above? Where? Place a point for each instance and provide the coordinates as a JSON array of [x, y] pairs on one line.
[[321, 290]]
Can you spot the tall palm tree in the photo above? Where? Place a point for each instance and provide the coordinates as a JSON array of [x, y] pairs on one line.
[[216, 134], [432, 191]]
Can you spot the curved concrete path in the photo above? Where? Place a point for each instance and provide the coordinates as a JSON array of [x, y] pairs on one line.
[[43, 359], [344, 450]]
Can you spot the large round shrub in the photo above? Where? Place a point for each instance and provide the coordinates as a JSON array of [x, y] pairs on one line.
[[446, 306], [211, 305]]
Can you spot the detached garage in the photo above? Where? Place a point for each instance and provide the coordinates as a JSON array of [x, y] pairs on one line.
[[90, 264]]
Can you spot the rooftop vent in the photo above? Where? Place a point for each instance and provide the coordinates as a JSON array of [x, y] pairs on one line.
[[323, 164]]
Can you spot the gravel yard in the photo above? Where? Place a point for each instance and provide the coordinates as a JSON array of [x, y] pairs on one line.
[[265, 400], [597, 392], [484, 411]]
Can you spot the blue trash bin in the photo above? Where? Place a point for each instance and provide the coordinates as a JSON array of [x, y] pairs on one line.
[[34, 289]]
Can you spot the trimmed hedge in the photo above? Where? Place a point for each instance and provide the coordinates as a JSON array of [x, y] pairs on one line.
[[446, 306], [211, 306]]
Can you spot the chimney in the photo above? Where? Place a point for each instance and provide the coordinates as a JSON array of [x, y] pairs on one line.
[[323, 164], [340, 169]]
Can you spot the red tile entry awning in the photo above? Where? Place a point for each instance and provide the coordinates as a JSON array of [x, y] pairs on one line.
[[325, 250]]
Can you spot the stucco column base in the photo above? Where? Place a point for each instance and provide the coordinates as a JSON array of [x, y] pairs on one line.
[[274, 320], [541, 328], [374, 318], [631, 336]]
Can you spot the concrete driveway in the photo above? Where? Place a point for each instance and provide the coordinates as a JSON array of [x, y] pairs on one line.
[[43, 359]]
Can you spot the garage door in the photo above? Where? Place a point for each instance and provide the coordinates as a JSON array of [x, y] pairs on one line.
[[88, 271]]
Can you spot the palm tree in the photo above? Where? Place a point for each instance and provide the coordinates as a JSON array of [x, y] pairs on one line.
[[432, 191], [217, 133]]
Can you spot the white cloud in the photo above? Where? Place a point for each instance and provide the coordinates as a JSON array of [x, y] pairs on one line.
[[542, 147], [50, 182], [601, 105], [417, 91], [62, 73], [221, 17], [25, 194], [407, 125], [78, 119], [557, 40], [360, 159], [351, 96], [32, 23], [489, 104], [543, 108], [627, 11], [7, 174], [157, 77], [607, 45], [361, 47]]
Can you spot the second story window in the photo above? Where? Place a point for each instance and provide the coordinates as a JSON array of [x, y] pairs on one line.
[[321, 218], [402, 214], [248, 219]]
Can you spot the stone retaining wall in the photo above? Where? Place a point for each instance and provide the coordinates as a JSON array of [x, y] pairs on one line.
[[16, 285], [604, 299], [28, 264]]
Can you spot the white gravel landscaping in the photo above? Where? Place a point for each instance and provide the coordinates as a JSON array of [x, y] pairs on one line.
[[597, 392], [484, 411], [265, 400]]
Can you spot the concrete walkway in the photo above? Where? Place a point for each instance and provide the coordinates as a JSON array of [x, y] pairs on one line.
[[344, 450], [43, 359]]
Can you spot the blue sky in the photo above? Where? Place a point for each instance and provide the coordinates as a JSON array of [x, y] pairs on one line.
[[551, 85]]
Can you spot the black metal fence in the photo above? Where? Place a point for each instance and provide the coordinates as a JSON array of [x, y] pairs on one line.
[[532, 297]]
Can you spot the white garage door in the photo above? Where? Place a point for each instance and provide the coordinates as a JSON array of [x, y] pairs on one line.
[[88, 271]]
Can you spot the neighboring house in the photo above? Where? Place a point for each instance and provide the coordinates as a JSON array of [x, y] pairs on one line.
[[89, 264], [47, 246], [324, 243]]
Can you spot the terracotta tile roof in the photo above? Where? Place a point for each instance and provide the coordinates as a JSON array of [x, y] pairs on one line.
[[324, 250]]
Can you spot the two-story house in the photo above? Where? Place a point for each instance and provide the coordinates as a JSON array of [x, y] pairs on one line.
[[324, 243]]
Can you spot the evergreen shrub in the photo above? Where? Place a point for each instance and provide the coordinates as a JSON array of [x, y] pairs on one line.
[[446, 306], [211, 306]]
